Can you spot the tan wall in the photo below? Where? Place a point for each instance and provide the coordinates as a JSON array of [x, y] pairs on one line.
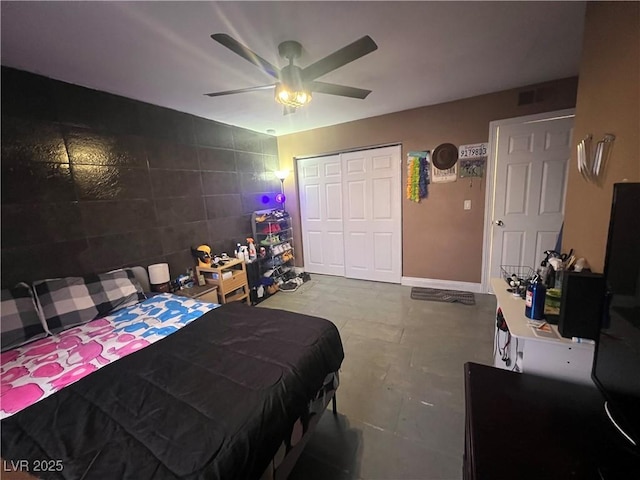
[[440, 239], [608, 102]]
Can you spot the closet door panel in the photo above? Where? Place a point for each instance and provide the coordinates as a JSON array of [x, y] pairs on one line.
[[382, 245], [372, 214], [320, 190]]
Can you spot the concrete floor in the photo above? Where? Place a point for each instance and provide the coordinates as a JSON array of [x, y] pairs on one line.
[[401, 395]]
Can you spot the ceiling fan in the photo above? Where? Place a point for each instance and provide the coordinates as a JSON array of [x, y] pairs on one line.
[[295, 84]]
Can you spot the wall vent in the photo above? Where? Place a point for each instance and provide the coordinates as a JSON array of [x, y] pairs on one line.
[[537, 95], [526, 98]]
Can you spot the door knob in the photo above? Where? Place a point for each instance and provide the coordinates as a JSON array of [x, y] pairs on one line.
[[499, 223]]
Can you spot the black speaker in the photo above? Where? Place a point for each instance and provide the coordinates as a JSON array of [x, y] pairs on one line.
[[582, 304]]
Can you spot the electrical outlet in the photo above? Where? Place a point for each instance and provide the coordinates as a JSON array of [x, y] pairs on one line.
[[467, 204]]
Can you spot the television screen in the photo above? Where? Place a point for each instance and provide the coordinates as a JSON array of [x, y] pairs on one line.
[[616, 367]]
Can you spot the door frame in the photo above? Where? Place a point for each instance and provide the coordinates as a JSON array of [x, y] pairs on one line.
[[491, 169]]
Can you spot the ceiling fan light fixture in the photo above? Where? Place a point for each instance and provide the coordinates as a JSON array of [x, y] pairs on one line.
[[292, 98], [295, 84]]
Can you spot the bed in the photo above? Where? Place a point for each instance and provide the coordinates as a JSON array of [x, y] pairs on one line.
[[164, 387]]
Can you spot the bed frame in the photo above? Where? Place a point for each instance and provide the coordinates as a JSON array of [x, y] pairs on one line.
[[283, 462]]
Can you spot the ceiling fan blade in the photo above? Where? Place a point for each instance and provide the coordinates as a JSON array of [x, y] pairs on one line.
[[341, 90], [240, 90], [341, 57], [239, 49]]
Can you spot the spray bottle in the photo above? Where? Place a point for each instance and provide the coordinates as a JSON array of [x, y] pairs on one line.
[[252, 249]]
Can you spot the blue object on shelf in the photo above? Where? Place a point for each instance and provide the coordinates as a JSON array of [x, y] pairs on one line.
[[534, 299]]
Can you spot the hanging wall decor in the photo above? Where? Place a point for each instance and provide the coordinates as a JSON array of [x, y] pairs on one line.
[[445, 156], [473, 158], [417, 175], [445, 176], [591, 165], [474, 150], [445, 163], [472, 167]]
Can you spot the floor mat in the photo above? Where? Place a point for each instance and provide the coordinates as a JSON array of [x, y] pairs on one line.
[[437, 295]]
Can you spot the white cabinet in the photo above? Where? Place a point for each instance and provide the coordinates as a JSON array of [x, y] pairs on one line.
[[529, 352], [568, 362]]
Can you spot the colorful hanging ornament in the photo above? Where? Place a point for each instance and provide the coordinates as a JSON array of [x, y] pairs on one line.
[[417, 175]]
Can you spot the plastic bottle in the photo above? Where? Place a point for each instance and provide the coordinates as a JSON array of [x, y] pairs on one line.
[[252, 249], [534, 299]]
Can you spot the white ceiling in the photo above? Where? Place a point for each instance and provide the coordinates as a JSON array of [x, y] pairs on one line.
[[162, 53]]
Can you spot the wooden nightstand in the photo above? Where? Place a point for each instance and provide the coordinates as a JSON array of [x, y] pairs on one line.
[[206, 293], [230, 278]]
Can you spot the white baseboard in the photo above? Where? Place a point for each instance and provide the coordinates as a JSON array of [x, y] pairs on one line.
[[442, 284]]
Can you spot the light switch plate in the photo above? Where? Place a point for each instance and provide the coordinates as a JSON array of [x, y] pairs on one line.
[[467, 204]]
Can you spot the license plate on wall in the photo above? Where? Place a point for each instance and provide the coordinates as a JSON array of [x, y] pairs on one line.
[[473, 151]]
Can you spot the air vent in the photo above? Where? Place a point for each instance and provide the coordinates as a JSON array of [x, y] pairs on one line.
[[525, 98], [537, 95]]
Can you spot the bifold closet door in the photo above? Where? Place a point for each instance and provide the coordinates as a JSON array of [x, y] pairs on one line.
[[320, 190], [350, 208], [372, 212]]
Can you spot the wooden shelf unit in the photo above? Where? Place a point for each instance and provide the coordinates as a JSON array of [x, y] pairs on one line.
[[232, 289]]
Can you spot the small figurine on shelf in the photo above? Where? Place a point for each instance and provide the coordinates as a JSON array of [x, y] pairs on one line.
[[203, 254]]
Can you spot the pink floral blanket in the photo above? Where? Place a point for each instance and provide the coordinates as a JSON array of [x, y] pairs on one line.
[[36, 370]]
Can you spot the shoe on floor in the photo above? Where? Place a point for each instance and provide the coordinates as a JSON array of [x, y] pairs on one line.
[[304, 276], [290, 286]]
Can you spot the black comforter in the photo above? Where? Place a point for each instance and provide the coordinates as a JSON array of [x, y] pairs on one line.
[[213, 400]]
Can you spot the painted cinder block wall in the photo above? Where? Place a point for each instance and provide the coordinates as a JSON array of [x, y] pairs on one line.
[[93, 181]]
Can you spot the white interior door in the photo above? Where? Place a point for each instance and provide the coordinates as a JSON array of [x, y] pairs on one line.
[[372, 214], [350, 209], [530, 165], [320, 190]]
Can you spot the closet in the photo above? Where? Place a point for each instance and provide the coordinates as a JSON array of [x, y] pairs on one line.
[[350, 209]]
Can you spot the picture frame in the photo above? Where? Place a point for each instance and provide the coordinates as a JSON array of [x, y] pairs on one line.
[[444, 176]]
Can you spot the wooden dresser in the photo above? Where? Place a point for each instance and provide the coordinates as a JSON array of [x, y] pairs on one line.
[[523, 426]]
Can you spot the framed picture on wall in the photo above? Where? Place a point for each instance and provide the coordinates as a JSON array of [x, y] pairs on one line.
[[472, 167], [444, 176]]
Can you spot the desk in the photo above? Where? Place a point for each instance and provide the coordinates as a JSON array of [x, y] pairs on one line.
[[528, 351], [521, 426]]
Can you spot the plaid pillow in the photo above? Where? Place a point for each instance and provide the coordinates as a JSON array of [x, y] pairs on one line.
[[21, 321], [67, 302]]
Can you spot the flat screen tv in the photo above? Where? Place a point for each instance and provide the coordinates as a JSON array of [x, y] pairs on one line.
[[616, 366]]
